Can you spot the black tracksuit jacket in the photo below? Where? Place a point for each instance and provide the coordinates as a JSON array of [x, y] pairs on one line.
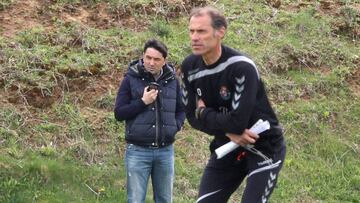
[[234, 96]]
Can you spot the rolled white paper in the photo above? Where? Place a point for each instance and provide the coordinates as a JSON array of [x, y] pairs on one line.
[[259, 127]]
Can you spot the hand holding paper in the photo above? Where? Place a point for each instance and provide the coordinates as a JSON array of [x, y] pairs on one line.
[[259, 127]]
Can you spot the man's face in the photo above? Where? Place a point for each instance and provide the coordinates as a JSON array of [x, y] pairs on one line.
[[204, 38], [153, 61]]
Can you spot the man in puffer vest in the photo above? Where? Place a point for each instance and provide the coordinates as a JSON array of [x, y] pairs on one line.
[[149, 100]]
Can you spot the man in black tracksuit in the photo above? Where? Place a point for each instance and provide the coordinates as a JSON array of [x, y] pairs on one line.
[[224, 96]]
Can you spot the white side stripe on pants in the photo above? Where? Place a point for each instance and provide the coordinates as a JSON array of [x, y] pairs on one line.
[[207, 195], [274, 165]]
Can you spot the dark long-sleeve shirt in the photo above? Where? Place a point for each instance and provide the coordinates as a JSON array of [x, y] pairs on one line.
[[233, 93]]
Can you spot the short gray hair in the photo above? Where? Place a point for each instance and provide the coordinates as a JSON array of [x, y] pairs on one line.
[[218, 20]]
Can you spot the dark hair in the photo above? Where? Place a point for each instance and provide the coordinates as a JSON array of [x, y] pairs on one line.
[[217, 18], [156, 44]]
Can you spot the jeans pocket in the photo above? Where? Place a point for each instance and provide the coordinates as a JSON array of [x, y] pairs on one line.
[[129, 146]]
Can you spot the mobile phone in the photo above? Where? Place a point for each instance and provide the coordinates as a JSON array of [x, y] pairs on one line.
[[153, 86]]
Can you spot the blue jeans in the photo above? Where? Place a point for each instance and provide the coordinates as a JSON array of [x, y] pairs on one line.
[[143, 162]]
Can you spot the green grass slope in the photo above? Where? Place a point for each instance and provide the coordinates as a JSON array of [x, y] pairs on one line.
[[59, 141]]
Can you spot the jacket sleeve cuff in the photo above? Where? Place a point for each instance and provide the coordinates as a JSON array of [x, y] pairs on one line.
[[141, 103], [198, 112], [203, 113]]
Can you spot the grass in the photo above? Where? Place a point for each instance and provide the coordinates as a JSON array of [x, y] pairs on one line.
[[43, 179], [72, 150]]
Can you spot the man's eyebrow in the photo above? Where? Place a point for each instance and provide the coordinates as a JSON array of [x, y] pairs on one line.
[[153, 57]]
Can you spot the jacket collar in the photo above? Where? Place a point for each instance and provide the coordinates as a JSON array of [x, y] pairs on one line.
[[137, 69]]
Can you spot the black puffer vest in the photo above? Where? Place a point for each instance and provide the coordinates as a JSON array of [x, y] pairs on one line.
[[156, 126]]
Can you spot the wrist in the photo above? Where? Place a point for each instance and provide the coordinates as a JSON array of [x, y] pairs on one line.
[[198, 112], [144, 101]]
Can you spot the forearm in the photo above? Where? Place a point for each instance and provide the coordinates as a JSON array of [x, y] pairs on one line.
[[129, 111], [127, 107], [201, 126], [232, 122], [180, 118], [180, 108]]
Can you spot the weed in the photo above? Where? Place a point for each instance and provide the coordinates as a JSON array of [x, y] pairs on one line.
[[8, 186], [15, 152], [47, 151], [48, 127], [349, 24], [106, 102], [5, 3], [160, 28], [115, 128], [10, 121], [78, 127]]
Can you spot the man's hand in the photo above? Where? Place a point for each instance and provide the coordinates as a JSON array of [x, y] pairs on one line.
[[201, 103], [246, 138], [200, 106], [149, 96]]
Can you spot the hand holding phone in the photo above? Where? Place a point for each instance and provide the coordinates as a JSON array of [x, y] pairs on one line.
[[150, 96], [153, 86]]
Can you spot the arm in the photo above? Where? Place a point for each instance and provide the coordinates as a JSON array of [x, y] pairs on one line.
[[247, 137], [243, 102], [180, 110], [126, 107], [189, 98]]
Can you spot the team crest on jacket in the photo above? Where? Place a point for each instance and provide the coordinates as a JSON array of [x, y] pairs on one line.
[[224, 93], [198, 90]]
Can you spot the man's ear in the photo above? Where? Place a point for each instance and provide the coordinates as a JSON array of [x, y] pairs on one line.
[[221, 32]]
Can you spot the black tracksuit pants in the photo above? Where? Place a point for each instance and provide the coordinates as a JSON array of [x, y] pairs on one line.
[[223, 176]]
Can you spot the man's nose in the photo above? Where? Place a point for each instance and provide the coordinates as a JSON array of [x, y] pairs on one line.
[[194, 36], [152, 62]]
